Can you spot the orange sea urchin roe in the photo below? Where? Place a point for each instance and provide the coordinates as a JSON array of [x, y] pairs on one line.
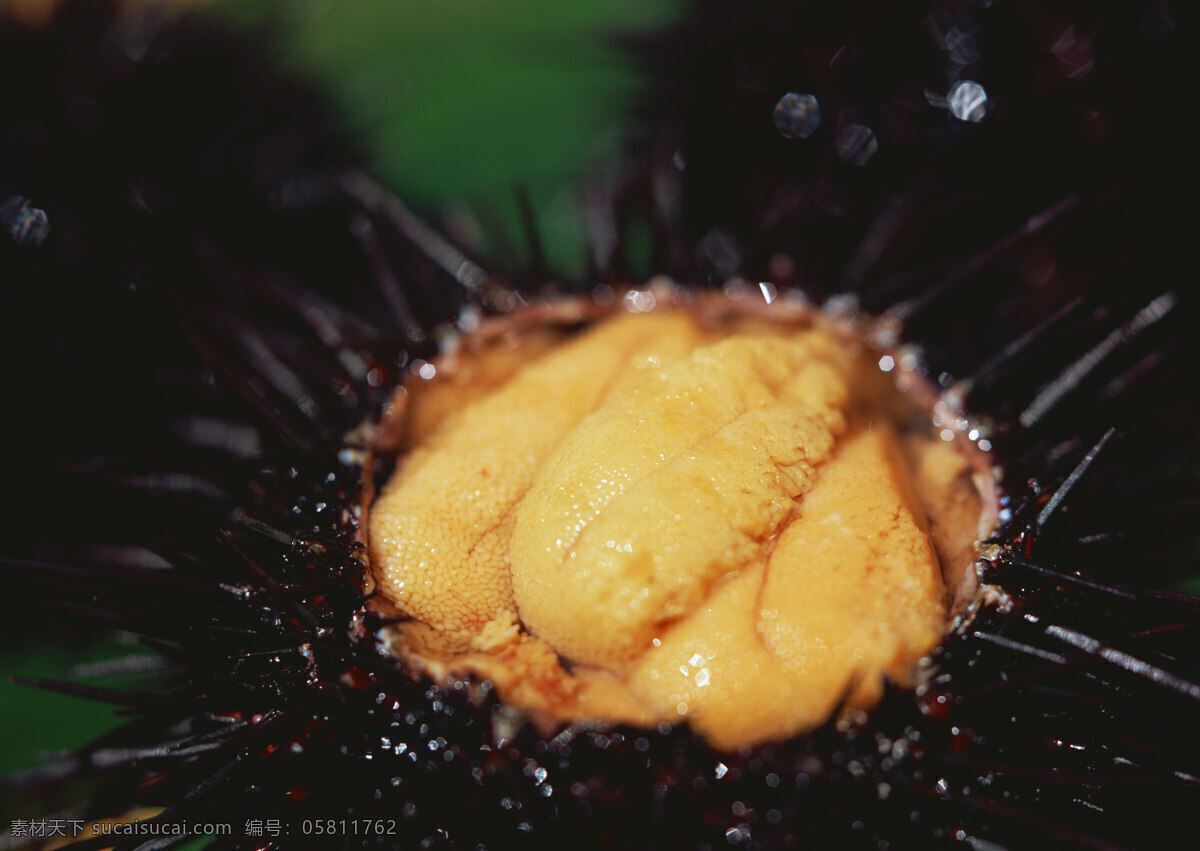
[[663, 519]]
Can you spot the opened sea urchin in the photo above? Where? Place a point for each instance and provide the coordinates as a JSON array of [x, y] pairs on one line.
[[701, 512]]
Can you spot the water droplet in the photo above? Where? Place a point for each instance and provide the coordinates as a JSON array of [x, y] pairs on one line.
[[26, 224], [797, 116], [968, 101], [737, 835], [961, 45], [856, 144]]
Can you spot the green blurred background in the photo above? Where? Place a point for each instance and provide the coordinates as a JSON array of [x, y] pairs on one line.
[[461, 100], [458, 102]]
